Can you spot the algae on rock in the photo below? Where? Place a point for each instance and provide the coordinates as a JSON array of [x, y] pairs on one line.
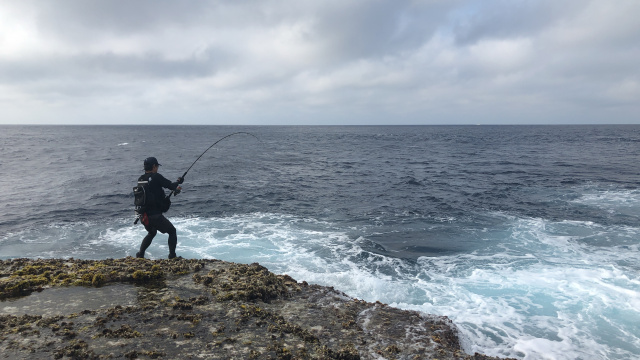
[[222, 311]]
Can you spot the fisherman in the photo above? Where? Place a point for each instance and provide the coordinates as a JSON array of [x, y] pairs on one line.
[[154, 221]]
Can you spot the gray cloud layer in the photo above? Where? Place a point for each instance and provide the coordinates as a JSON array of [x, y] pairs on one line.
[[348, 61]]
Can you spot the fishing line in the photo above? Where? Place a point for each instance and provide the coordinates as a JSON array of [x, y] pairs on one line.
[[212, 145]]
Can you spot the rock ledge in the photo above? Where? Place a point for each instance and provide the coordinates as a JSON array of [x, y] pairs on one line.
[[206, 309]]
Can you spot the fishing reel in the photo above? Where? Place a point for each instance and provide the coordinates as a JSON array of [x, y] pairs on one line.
[[180, 181]]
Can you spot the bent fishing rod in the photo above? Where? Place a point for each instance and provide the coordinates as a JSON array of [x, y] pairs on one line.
[[174, 192]]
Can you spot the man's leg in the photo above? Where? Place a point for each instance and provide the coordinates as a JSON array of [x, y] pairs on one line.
[[146, 241], [173, 242], [166, 227]]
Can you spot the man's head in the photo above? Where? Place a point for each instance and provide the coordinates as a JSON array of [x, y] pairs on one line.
[[150, 163]]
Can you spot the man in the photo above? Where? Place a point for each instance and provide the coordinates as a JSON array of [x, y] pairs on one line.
[[156, 221]]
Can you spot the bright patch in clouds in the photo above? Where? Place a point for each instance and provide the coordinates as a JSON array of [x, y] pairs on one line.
[[501, 54]]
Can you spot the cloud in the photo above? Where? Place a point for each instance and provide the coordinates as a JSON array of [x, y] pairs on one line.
[[356, 61], [499, 19]]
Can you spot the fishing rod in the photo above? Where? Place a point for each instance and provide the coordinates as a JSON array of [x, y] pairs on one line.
[[167, 202], [174, 192]]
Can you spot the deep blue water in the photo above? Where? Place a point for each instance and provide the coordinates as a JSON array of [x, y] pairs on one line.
[[526, 236]]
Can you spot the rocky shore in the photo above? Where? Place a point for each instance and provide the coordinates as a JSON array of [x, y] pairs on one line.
[[199, 309]]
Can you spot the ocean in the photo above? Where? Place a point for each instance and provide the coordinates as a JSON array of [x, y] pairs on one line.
[[527, 237]]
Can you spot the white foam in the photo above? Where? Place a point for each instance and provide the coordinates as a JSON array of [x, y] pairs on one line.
[[538, 290], [612, 197], [614, 201], [533, 297], [550, 302]]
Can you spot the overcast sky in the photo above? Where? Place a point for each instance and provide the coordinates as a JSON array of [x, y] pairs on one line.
[[320, 62]]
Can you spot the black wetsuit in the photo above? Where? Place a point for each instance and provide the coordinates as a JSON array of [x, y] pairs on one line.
[[157, 221]]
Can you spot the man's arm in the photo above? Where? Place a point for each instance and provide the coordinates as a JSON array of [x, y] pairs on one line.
[[166, 183]]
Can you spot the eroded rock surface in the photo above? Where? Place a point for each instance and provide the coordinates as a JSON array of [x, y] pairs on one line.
[[202, 309]]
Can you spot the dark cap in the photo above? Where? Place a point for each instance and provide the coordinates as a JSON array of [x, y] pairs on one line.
[[149, 162]]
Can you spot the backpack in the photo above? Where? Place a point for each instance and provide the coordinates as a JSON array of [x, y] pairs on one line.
[[143, 198]]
